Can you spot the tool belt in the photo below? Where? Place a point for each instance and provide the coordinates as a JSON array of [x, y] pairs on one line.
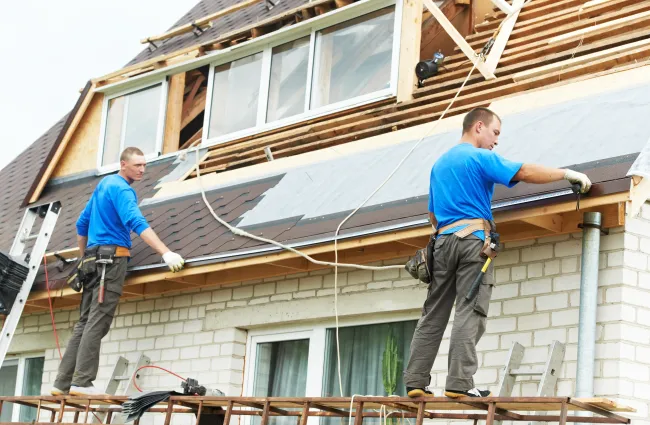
[[420, 266], [85, 270], [489, 249]]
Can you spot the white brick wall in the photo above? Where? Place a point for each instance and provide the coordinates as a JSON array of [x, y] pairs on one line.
[[536, 300]]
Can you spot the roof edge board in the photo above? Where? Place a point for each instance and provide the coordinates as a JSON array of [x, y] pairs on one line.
[[53, 157], [264, 255]]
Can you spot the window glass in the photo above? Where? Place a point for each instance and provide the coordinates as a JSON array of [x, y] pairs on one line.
[[235, 95], [373, 358], [353, 58], [7, 388], [132, 120], [288, 80], [113, 136], [281, 371], [32, 382]]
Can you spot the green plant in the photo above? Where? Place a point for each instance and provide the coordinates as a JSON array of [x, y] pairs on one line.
[[391, 365]]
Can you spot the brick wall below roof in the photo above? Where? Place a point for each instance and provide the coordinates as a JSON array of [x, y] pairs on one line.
[[535, 301]]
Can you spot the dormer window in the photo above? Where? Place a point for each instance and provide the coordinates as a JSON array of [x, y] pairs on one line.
[[328, 66], [135, 119]]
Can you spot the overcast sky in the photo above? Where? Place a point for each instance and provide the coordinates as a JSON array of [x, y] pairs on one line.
[[51, 48]]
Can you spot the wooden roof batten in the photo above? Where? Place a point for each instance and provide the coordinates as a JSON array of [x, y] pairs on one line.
[[199, 24], [560, 409], [528, 61]]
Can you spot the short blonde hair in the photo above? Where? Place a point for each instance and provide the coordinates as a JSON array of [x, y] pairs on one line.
[[129, 152]]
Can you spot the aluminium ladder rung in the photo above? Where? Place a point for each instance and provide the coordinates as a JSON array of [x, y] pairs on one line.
[[526, 372]]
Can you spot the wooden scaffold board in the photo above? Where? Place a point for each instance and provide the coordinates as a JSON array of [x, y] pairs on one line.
[[558, 409]]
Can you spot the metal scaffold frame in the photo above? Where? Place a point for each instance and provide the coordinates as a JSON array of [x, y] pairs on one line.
[[559, 409]]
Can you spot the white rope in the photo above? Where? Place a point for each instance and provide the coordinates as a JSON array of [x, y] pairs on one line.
[[390, 175], [244, 233], [336, 264]]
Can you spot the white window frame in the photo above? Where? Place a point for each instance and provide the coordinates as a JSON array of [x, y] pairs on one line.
[[20, 378], [162, 111], [266, 49], [317, 335]]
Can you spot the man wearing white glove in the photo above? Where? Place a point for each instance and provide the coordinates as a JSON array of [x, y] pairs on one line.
[[104, 230], [460, 191]]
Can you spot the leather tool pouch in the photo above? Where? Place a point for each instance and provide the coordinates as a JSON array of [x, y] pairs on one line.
[[83, 272], [491, 246], [106, 252], [420, 266]]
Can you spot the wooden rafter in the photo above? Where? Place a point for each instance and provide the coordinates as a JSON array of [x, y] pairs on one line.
[[552, 222], [201, 23], [409, 53], [502, 38], [458, 38], [639, 194]]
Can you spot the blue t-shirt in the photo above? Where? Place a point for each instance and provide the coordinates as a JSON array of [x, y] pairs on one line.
[[462, 184], [111, 214]]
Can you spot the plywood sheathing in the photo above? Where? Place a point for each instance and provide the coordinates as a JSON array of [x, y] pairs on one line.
[[81, 151], [527, 49]]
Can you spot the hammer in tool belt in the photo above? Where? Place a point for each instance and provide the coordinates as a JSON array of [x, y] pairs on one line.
[[103, 260], [490, 252]]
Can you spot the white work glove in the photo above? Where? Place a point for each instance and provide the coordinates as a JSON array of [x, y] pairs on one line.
[[174, 261], [579, 178]]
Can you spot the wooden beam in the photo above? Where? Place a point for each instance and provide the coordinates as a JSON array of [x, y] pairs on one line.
[[615, 22], [503, 5], [68, 254], [552, 222], [202, 23], [458, 38], [558, 66], [174, 113], [502, 38], [45, 176], [639, 194], [431, 28], [197, 106], [409, 54]]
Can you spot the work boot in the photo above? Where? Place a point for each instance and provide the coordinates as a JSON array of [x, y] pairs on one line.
[[418, 392], [91, 390], [56, 392], [474, 392]]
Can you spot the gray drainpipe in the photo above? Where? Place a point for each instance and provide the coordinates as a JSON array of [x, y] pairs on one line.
[[588, 304]]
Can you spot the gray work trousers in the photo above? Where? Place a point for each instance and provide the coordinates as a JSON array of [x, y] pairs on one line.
[[456, 264], [81, 359]]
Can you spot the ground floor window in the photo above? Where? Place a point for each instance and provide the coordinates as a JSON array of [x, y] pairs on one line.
[[20, 376], [372, 359], [303, 363]]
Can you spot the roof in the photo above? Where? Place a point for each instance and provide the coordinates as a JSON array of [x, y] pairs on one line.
[[268, 203], [304, 203], [220, 26]]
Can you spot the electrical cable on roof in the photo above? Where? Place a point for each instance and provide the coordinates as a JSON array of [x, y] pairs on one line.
[[480, 56]]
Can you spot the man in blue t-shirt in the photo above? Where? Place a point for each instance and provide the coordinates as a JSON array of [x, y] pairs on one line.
[[460, 193], [104, 228]]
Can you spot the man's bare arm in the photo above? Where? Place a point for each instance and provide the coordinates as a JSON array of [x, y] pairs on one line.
[[539, 174], [151, 238], [173, 260], [82, 241]]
